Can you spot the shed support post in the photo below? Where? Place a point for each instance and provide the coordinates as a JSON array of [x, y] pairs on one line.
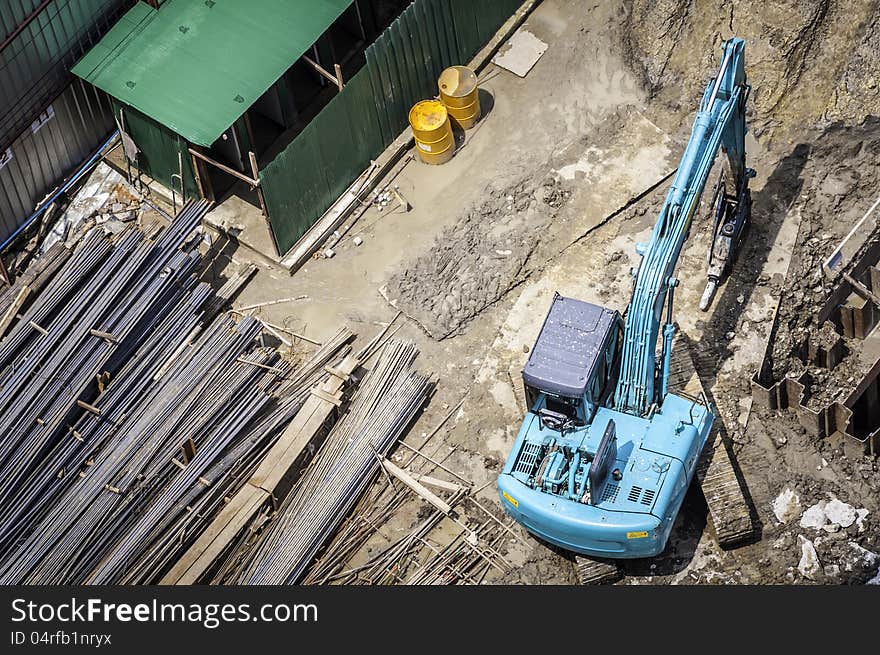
[[256, 173], [200, 171]]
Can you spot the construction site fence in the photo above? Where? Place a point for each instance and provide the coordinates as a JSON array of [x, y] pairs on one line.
[[402, 67]]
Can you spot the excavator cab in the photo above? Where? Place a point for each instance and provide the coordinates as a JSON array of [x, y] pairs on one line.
[[567, 376]]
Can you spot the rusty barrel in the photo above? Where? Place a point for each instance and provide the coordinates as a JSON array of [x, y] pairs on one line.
[[432, 130], [460, 94]]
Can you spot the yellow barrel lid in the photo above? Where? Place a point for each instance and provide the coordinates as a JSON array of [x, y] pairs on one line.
[[457, 81], [427, 115]]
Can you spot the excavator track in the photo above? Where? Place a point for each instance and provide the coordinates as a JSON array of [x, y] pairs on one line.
[[728, 506], [595, 571]]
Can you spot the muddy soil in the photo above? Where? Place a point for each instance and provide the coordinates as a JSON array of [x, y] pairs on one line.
[[479, 258], [811, 63], [551, 192], [814, 140]]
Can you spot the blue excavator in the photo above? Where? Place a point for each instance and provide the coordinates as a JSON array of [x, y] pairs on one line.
[[606, 452]]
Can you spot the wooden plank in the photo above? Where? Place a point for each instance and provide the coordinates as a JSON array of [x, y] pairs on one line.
[[223, 167], [103, 335], [89, 408], [198, 176], [255, 171], [20, 299], [322, 71], [861, 289], [423, 492], [39, 328], [436, 482], [323, 395], [234, 516], [336, 372]]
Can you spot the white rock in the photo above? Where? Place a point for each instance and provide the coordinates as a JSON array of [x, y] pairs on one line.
[[809, 565], [786, 506], [861, 515], [836, 511], [814, 517]]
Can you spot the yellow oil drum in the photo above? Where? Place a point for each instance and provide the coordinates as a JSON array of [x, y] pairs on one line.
[[433, 131], [459, 92]]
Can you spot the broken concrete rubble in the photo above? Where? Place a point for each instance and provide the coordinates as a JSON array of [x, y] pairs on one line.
[[840, 513], [809, 565], [814, 517], [786, 506]]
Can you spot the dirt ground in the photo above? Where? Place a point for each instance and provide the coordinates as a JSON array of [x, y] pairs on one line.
[[552, 190]]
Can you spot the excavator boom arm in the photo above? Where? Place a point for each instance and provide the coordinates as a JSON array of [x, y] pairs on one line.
[[720, 122]]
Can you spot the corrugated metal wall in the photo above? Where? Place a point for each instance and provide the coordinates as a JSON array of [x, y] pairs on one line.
[[80, 119], [34, 73], [368, 114], [34, 66]]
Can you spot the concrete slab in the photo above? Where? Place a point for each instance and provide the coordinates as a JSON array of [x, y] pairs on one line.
[[520, 54], [244, 223]]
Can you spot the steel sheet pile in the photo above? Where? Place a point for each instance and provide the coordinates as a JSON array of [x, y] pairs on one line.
[[128, 414], [386, 402]]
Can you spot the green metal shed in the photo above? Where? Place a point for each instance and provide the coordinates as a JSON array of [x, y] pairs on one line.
[[196, 67]]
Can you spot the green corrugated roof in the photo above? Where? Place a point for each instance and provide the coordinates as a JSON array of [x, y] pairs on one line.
[[197, 65]]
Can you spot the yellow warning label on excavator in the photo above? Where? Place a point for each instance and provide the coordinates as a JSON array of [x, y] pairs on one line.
[[636, 535], [512, 501]]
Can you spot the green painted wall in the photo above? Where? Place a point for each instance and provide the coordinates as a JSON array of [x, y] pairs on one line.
[[158, 149]]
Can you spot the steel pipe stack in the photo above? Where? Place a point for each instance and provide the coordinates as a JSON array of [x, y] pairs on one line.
[[128, 414]]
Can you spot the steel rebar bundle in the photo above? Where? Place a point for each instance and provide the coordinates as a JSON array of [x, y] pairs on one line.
[[132, 410], [128, 414], [384, 405]]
